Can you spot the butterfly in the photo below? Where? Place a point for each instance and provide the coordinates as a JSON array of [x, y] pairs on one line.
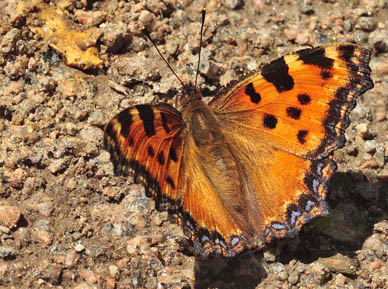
[[253, 164]]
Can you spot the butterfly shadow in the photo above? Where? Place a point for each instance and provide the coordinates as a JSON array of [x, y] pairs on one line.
[[356, 201], [243, 271]]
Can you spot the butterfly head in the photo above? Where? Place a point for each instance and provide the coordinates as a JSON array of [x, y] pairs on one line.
[[191, 93]]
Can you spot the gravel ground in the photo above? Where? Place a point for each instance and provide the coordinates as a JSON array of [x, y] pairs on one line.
[[67, 222]]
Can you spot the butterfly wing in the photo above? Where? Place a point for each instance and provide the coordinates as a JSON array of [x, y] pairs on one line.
[[208, 219], [306, 96], [145, 142], [283, 122]]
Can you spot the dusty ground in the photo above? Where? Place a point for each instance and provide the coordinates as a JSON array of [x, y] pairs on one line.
[[67, 222]]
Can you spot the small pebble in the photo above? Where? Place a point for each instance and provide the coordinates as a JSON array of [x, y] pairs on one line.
[[17, 178], [71, 258], [370, 145], [79, 248], [340, 280], [53, 273], [381, 114], [320, 273], [302, 38], [269, 257], [114, 271], [367, 23], [305, 7], [71, 128], [340, 264], [293, 278], [379, 40], [123, 263], [362, 129], [4, 229], [375, 265], [9, 215], [370, 163], [45, 237], [233, 4], [6, 252], [94, 251], [97, 118], [146, 18], [373, 243], [134, 244], [110, 282], [88, 276], [9, 40], [379, 155], [90, 18]]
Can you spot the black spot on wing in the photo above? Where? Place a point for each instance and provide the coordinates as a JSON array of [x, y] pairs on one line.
[[312, 183], [294, 112], [146, 114], [316, 56], [161, 158], [173, 155], [293, 213], [254, 96], [342, 93], [276, 72], [164, 122], [326, 74], [170, 182], [302, 136], [307, 202], [346, 52], [304, 99], [109, 134], [270, 121], [125, 120]]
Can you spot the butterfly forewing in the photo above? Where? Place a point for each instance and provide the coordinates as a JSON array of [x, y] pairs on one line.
[[145, 142], [299, 103]]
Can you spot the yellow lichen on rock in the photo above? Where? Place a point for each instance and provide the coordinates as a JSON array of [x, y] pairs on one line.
[[77, 47]]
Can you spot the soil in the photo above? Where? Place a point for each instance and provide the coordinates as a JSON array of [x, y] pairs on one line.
[[67, 222]]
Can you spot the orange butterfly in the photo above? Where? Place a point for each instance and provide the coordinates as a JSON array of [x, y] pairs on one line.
[[253, 164]]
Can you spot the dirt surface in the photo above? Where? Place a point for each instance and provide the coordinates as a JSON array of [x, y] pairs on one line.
[[67, 222]]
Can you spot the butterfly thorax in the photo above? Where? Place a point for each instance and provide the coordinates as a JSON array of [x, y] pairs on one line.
[[202, 124]]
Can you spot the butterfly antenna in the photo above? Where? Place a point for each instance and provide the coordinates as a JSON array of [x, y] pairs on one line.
[[145, 32], [200, 46]]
